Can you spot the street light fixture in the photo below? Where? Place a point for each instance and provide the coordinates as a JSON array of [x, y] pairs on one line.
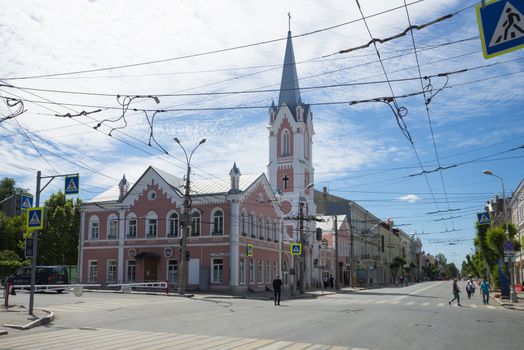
[[187, 218], [513, 294]]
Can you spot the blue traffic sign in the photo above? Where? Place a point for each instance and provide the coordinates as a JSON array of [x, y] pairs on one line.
[[484, 218], [296, 248], [35, 218], [26, 202], [72, 183], [508, 245], [501, 26]]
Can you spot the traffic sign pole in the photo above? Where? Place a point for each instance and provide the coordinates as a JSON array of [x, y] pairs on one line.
[[35, 245]]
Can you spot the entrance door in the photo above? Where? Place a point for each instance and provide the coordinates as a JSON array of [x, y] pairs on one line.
[[150, 270]]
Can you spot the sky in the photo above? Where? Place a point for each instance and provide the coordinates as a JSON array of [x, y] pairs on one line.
[[215, 68]]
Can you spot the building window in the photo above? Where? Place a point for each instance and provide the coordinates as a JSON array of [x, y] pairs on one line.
[[112, 230], [217, 266], [131, 226], [131, 271], [315, 263], [195, 224], [268, 271], [218, 223], [94, 227], [251, 272], [172, 271], [151, 224], [282, 231], [261, 228], [285, 143], [243, 223], [275, 231], [252, 225], [275, 272], [111, 271], [260, 271], [93, 271], [242, 271], [268, 230], [172, 225]]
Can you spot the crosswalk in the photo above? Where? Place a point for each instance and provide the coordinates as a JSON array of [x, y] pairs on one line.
[[103, 305], [398, 301], [103, 338]]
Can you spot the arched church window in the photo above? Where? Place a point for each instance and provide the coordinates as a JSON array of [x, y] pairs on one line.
[[285, 143]]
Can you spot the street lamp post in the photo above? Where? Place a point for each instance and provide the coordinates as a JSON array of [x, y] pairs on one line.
[[187, 219], [513, 294]]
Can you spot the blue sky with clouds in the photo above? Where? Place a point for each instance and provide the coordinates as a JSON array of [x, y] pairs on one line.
[[359, 150]]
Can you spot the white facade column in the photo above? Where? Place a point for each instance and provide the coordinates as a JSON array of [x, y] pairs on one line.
[[121, 237], [234, 244]]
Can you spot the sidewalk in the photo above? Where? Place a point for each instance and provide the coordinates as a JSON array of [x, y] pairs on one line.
[[18, 317], [508, 304]]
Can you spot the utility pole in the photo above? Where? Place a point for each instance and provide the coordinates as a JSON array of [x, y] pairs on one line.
[[351, 269], [337, 285], [186, 231]]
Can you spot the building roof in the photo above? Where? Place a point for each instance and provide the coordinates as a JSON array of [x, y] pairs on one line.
[[327, 222], [198, 187]]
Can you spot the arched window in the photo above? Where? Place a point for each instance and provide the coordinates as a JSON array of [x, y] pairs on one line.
[[112, 227], [243, 223], [285, 143], [275, 231], [173, 225], [131, 225], [268, 229], [306, 144], [261, 228], [195, 223], [252, 225], [218, 223], [94, 227], [151, 225]]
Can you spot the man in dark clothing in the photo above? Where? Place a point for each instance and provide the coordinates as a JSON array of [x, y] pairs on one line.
[[277, 289], [456, 293]]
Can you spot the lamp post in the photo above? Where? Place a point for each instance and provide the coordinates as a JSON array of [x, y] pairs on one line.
[[513, 294], [187, 219]]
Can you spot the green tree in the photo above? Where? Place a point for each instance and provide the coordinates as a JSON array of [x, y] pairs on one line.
[[398, 263], [58, 242]]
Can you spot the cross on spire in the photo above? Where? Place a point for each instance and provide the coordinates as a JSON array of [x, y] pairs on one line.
[[285, 179], [289, 20]]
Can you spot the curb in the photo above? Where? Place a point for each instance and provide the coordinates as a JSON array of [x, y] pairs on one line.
[[39, 322]]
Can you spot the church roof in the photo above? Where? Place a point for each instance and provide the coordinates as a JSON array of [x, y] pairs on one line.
[[289, 88]]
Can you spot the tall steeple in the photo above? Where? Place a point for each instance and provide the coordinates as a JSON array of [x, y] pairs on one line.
[[289, 89]]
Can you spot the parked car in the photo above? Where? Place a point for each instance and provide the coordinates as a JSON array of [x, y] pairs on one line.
[[45, 276]]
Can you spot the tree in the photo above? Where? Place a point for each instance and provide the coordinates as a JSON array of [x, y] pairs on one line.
[[58, 242], [398, 262]]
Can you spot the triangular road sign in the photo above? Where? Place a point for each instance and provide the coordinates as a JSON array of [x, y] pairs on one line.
[[35, 220], [509, 27]]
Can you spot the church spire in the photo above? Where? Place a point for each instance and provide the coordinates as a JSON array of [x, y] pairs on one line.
[[289, 89]]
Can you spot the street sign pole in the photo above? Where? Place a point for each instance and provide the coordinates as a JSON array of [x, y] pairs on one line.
[[35, 245]]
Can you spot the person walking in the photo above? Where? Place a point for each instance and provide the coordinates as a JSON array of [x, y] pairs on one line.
[[331, 281], [484, 288], [456, 293], [469, 288], [277, 289]]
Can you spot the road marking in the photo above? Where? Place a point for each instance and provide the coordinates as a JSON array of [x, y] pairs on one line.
[[491, 307], [425, 304], [395, 302], [410, 303], [473, 306], [92, 338], [440, 304]]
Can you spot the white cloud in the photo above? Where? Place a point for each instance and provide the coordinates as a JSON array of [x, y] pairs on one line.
[[411, 198]]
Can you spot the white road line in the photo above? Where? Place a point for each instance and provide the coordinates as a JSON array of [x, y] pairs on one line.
[[491, 307], [425, 304], [410, 303], [440, 304], [473, 306]]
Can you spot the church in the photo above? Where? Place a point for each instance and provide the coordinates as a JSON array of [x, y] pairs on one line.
[[241, 226]]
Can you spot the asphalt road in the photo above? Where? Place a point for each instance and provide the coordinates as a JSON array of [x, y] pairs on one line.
[[414, 317]]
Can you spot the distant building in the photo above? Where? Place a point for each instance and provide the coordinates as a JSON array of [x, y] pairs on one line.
[[516, 206]]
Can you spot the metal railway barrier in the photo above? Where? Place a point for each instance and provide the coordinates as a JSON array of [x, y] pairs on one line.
[[128, 287]]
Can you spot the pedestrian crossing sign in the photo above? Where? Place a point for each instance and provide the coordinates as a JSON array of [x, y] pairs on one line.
[[72, 184], [249, 249], [35, 218], [501, 26], [26, 202], [484, 218], [296, 248]]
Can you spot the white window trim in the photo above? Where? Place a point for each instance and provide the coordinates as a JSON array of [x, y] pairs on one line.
[[213, 212], [195, 211], [94, 219], [242, 277], [168, 224], [151, 216], [127, 270], [213, 270], [244, 223], [108, 263], [110, 219], [131, 216], [89, 277]]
